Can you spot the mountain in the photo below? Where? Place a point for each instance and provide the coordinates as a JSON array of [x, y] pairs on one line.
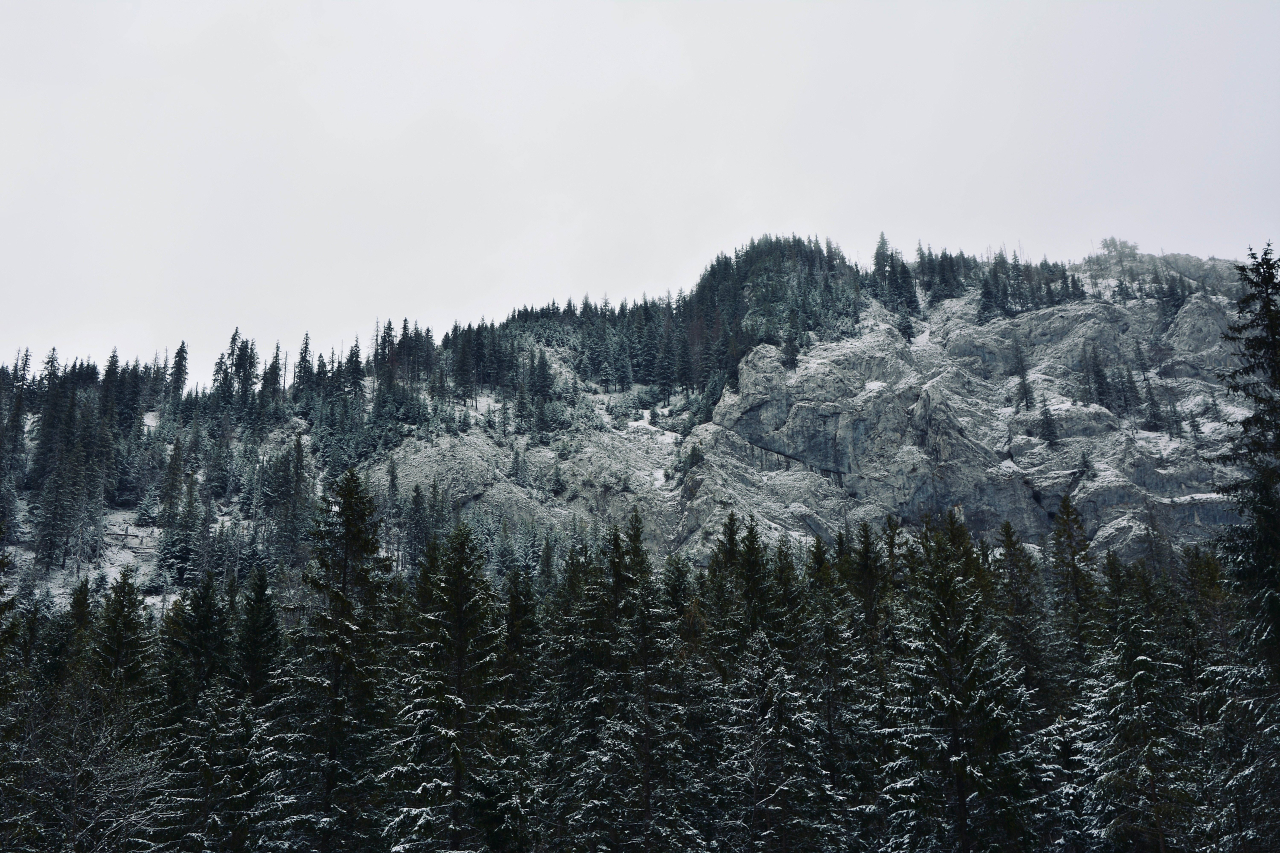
[[788, 385], [931, 555]]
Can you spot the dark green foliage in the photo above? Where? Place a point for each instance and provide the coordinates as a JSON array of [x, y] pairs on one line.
[[1020, 611], [327, 725], [1025, 398], [964, 776], [1048, 425], [1256, 336], [257, 642], [361, 672], [791, 341], [1140, 739], [1076, 586], [893, 691]]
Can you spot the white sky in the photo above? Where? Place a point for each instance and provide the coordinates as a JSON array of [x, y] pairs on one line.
[[175, 170]]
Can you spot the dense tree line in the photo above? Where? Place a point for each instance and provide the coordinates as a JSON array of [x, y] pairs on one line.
[[885, 692], [94, 450], [344, 667]]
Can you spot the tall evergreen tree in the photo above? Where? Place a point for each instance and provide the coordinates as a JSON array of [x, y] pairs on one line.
[[1075, 583], [1138, 736], [328, 727], [1256, 335], [257, 642], [963, 780], [444, 762]]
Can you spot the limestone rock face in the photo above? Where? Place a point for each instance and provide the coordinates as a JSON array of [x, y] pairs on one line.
[[874, 424], [915, 428], [867, 424]]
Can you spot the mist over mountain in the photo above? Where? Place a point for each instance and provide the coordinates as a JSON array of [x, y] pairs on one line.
[[811, 556]]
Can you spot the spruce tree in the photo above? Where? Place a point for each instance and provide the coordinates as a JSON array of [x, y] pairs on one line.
[[1075, 584], [443, 764], [867, 575], [257, 642], [171, 488], [1048, 424], [212, 783], [181, 541], [1139, 742], [963, 779], [791, 341], [1021, 614], [835, 671], [122, 645], [178, 375], [1024, 398], [327, 727], [1256, 336], [783, 793]]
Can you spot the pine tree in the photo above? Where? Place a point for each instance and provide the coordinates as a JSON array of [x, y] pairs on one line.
[[1142, 794], [782, 790], [1048, 425], [1075, 585], [178, 375], [1021, 615], [988, 303], [1256, 336], [596, 806], [1024, 398], [327, 727], [791, 341], [721, 597], [212, 783], [834, 672], [171, 488], [881, 259], [652, 727], [753, 579], [121, 648], [444, 770], [257, 642], [181, 541], [207, 632], [868, 578], [963, 778]]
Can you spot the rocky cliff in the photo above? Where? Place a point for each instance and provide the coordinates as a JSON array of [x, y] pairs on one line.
[[875, 424], [1109, 398]]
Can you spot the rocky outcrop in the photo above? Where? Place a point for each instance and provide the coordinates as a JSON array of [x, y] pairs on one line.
[[874, 424], [915, 428]]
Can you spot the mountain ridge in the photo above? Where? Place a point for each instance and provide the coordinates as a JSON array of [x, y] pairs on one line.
[[804, 391]]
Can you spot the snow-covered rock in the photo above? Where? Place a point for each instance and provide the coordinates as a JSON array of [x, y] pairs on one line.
[[873, 424]]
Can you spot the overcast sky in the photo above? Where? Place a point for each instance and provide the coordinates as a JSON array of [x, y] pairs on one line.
[[171, 171]]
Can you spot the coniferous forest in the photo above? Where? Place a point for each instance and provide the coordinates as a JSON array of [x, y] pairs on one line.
[[321, 662]]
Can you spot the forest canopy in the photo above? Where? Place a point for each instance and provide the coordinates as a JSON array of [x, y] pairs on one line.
[[342, 664]]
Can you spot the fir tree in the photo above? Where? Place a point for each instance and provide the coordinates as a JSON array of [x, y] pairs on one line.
[[1256, 335], [835, 671], [449, 719], [963, 778], [327, 726], [1021, 615], [774, 757], [1075, 585], [1048, 425], [1138, 743], [257, 642], [791, 341], [1024, 398]]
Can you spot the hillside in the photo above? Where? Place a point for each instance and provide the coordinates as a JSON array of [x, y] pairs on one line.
[[925, 556], [865, 423]]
